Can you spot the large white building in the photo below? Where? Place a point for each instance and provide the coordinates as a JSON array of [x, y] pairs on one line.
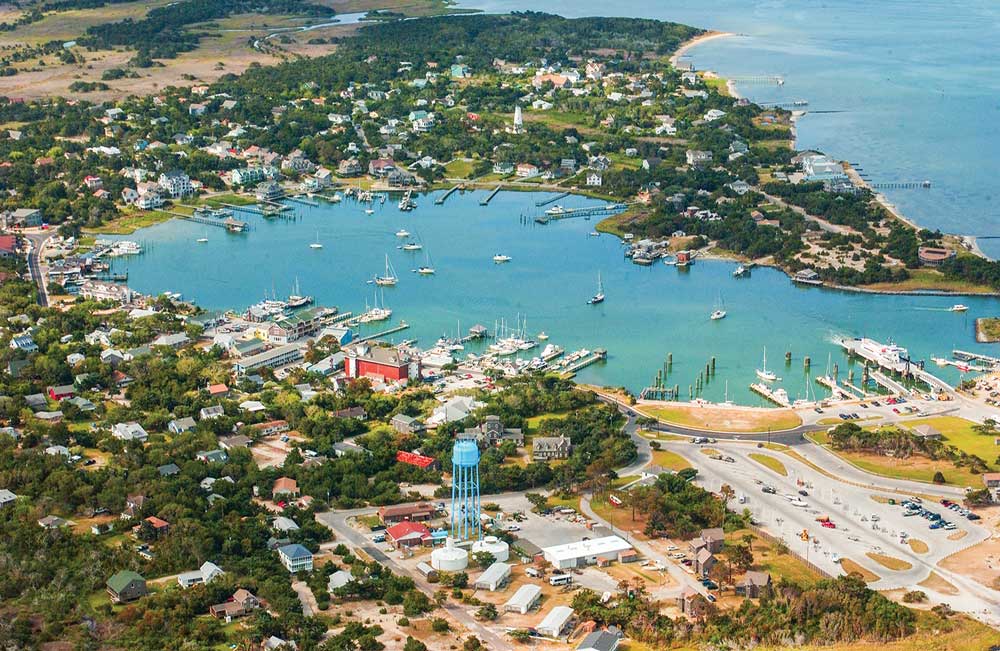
[[585, 552], [555, 621], [176, 183], [524, 599]]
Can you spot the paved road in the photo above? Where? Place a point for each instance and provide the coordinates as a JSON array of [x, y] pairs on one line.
[[37, 242], [337, 521]]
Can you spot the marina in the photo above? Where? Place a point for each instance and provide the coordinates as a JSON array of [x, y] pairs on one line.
[[647, 312]]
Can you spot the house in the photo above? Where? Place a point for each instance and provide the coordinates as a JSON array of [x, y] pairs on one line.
[[160, 526], [176, 184], [550, 447], [503, 168], [126, 586], [133, 506], [740, 187], [406, 424], [930, 256], [380, 362], [285, 486], [453, 409], [753, 584], [62, 392], [292, 328], [52, 522], [282, 524], [23, 218], [218, 390], [181, 425], [408, 534], [296, 558], [460, 71], [168, 470], [926, 432], [232, 442], [131, 431], [275, 643], [599, 641], [269, 191], [271, 427], [342, 448], [212, 456], [381, 167], [279, 356], [711, 539], [6, 497], [704, 560], [57, 451], [349, 167], [418, 460], [197, 110], [240, 604], [214, 411], [204, 574], [357, 413], [175, 340], [713, 114], [491, 431], [594, 180], [24, 343], [991, 480], [696, 158], [526, 170], [687, 599], [807, 277], [401, 512], [339, 579], [495, 576]]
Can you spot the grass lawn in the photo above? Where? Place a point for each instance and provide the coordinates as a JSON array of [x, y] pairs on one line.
[[723, 419], [130, 222], [671, 460], [235, 199], [770, 463], [919, 469], [369, 521], [459, 169], [572, 502], [531, 425], [768, 559], [988, 329], [958, 432]]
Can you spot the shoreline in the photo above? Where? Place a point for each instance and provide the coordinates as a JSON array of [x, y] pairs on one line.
[[710, 35]]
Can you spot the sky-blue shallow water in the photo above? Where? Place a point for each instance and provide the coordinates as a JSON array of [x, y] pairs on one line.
[[916, 84], [649, 312]]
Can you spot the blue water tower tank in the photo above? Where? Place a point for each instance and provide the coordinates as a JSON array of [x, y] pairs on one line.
[[465, 505]]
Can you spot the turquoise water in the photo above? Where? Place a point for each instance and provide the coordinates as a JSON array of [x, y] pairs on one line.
[[649, 312], [916, 82]]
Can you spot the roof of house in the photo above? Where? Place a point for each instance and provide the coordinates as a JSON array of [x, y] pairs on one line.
[[406, 509], [407, 528], [294, 551], [756, 578], [418, 460], [120, 580], [285, 485], [525, 596], [599, 641], [498, 571]]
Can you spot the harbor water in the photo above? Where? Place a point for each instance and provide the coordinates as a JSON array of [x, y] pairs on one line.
[[649, 311]]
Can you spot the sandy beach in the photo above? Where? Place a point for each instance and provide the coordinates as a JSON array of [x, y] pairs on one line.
[[697, 40]]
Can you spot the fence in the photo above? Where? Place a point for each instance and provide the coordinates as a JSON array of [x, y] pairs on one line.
[[778, 541]]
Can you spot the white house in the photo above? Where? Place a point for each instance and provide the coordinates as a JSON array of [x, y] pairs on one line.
[[204, 574], [594, 180], [131, 431]]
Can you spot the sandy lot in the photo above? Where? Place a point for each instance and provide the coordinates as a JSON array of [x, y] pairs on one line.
[[271, 451]]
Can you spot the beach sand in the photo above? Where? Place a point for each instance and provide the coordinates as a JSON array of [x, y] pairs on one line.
[[697, 40]]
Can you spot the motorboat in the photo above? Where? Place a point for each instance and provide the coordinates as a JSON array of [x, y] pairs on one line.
[[499, 258], [959, 308], [402, 233]]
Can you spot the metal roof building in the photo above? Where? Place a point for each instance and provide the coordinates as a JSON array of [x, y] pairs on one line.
[[584, 552], [524, 599], [494, 577], [555, 621]]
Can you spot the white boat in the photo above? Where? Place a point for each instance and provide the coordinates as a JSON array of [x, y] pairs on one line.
[[739, 271], [316, 244], [402, 233], [425, 270], [369, 211], [500, 258], [959, 308], [389, 278], [599, 296], [718, 314], [377, 313], [763, 373], [412, 246], [594, 234], [336, 198], [296, 299], [202, 240], [556, 210], [542, 336]]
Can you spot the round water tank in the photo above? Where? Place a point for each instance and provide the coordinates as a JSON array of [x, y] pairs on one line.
[[493, 545], [465, 453], [449, 559]]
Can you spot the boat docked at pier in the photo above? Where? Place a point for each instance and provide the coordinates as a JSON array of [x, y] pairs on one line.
[[376, 313], [296, 299], [763, 373]]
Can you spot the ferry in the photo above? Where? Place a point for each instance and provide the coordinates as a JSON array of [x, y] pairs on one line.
[[958, 308], [499, 258]]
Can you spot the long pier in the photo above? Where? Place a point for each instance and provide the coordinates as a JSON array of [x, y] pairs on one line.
[[403, 325], [905, 185], [303, 200], [598, 355], [545, 202], [566, 213], [777, 80], [831, 384], [230, 224], [486, 200], [965, 356], [887, 382], [444, 197], [250, 209]]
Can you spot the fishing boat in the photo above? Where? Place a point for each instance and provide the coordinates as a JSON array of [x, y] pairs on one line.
[[599, 296], [763, 373], [499, 258], [959, 308], [402, 233], [296, 299], [389, 278], [316, 244]]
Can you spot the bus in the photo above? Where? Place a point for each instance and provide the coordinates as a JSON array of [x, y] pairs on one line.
[[560, 579]]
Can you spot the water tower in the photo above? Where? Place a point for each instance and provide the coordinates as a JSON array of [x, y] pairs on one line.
[[465, 521]]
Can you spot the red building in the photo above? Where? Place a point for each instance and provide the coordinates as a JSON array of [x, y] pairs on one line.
[[380, 362], [409, 534], [62, 392], [418, 460]]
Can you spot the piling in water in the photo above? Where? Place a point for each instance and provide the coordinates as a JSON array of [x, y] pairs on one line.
[[806, 362], [713, 364]]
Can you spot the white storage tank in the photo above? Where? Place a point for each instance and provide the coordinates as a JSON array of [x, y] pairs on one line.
[[493, 545], [449, 558]]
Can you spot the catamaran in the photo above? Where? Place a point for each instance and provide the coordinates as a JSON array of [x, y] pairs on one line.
[[599, 296], [763, 373], [389, 278]]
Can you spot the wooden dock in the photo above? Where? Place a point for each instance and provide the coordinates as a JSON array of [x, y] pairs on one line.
[[488, 198], [763, 390], [545, 202], [830, 383], [607, 209], [403, 325], [965, 356], [303, 200], [230, 224], [444, 197], [598, 355]]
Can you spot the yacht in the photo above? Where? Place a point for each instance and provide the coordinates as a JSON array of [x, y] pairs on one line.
[[959, 308], [425, 270], [402, 233], [412, 246], [377, 313], [542, 336], [296, 299], [316, 244], [500, 258], [202, 240], [599, 296], [389, 278], [763, 373], [718, 314], [594, 234]]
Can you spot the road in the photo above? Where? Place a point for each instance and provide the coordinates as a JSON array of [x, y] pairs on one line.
[[37, 241], [338, 522]]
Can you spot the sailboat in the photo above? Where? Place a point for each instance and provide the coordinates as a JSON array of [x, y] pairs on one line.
[[376, 313], [388, 279], [296, 299], [426, 269], [599, 296], [719, 313], [763, 373], [316, 244], [726, 400]]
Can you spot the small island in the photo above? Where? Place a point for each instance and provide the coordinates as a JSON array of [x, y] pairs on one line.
[[988, 330]]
